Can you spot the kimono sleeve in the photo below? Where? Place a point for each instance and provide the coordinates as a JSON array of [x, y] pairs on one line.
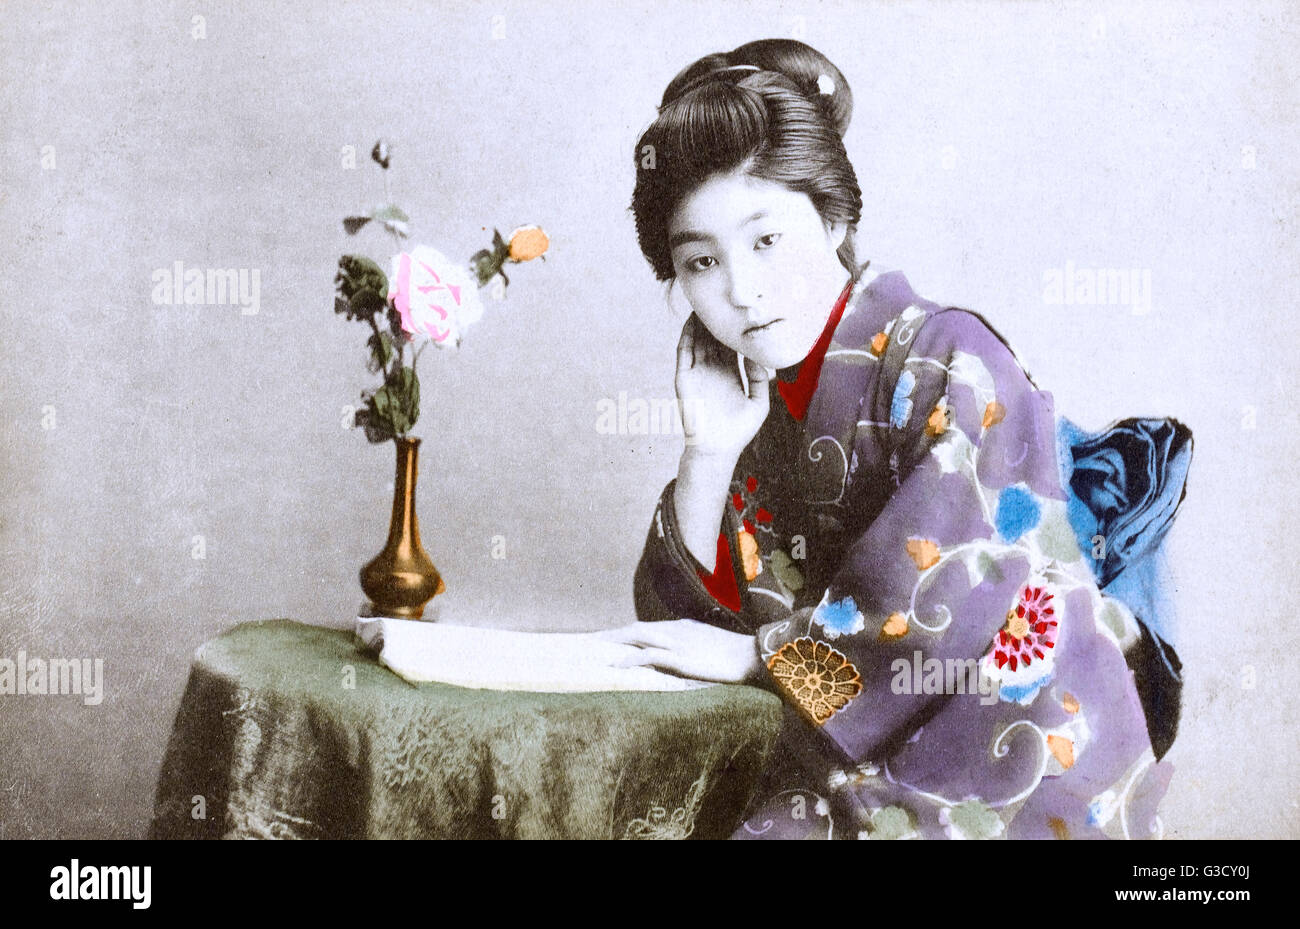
[[933, 576], [671, 583]]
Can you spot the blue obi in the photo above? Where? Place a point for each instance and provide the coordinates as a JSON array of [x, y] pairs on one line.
[[1124, 485]]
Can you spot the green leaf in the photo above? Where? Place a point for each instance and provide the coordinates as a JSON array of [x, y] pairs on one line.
[[786, 572], [374, 418], [891, 822], [389, 211], [486, 265], [381, 352], [974, 820], [357, 273], [365, 303]]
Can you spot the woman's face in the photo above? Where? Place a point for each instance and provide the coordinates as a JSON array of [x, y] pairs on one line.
[[758, 265]]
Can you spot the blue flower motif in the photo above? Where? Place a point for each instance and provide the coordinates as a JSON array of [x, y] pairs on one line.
[[1018, 512], [839, 618], [900, 407], [1023, 693]]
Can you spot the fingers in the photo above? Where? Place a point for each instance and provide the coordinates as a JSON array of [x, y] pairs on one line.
[[643, 635], [645, 658], [686, 346]]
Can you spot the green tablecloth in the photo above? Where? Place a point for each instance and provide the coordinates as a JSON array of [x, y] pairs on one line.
[[293, 731]]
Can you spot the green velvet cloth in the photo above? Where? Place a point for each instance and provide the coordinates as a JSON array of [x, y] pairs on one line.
[[294, 731]]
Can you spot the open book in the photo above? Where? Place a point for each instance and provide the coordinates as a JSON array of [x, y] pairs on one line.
[[500, 659]]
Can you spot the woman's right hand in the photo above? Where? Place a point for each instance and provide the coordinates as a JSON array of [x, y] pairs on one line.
[[719, 416]]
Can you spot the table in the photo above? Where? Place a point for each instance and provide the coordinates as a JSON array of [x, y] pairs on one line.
[[288, 730]]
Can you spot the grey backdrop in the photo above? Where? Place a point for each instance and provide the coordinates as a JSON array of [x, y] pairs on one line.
[[995, 142]]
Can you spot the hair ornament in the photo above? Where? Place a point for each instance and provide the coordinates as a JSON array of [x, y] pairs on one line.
[[825, 84]]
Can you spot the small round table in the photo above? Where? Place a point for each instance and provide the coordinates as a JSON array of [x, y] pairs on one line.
[[293, 731]]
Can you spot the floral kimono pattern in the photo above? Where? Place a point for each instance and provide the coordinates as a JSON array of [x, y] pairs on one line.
[[901, 550]]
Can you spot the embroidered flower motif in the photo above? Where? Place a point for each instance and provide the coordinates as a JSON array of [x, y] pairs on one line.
[[923, 552], [1102, 809], [1018, 511], [749, 554], [879, 341], [742, 498], [838, 618], [1062, 750], [900, 406], [971, 820], [994, 413], [819, 679], [937, 422], [784, 569], [1021, 658], [895, 626]]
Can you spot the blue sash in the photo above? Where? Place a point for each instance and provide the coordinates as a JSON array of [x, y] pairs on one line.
[[1125, 484]]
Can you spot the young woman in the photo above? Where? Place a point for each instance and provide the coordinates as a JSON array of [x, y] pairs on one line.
[[868, 517]]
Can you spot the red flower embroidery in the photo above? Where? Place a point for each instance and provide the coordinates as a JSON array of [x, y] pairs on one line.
[[1029, 630]]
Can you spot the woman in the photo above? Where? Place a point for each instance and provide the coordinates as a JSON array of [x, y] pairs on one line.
[[868, 516]]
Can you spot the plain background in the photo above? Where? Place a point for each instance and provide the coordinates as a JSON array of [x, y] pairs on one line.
[[994, 142]]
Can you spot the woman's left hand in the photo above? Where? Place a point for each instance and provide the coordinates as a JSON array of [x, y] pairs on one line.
[[690, 648]]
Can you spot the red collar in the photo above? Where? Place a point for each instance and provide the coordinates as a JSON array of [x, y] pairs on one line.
[[799, 392]]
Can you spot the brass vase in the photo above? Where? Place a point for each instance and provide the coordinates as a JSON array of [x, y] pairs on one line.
[[402, 579]]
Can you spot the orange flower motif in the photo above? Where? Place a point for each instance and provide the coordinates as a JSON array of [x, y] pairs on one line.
[[749, 554], [819, 679], [878, 343], [994, 413], [527, 243], [937, 423], [1062, 750], [894, 627], [1069, 703], [924, 552]]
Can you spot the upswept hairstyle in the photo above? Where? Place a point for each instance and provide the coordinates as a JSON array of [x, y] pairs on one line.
[[783, 123]]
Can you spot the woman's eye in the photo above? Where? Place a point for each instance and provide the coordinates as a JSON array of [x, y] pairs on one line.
[[694, 263], [767, 241]]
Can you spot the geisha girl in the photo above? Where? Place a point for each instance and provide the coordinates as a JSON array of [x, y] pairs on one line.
[[868, 517]]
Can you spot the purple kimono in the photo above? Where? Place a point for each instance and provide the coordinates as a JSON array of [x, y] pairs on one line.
[[900, 549]]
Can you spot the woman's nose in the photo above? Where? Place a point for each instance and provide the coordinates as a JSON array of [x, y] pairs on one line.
[[745, 286]]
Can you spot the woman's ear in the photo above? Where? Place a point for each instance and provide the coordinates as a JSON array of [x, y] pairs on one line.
[[836, 232]]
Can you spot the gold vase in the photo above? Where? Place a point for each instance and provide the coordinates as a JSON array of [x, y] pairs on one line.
[[402, 579]]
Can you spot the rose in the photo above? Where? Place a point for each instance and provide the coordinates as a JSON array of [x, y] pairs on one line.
[[527, 243], [435, 297]]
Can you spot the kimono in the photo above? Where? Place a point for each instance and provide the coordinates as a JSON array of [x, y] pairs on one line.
[[897, 541]]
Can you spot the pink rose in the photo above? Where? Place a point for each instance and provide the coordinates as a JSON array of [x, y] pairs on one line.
[[436, 298]]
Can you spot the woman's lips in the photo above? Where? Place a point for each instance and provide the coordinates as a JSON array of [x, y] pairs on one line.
[[763, 328]]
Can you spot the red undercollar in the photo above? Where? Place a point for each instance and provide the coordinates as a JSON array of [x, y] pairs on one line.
[[799, 392]]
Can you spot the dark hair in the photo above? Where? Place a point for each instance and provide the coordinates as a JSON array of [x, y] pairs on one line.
[[775, 122]]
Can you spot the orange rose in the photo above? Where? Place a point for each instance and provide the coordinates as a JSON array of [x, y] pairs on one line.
[[527, 243]]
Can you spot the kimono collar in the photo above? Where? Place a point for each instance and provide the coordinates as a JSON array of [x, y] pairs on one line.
[[798, 392]]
